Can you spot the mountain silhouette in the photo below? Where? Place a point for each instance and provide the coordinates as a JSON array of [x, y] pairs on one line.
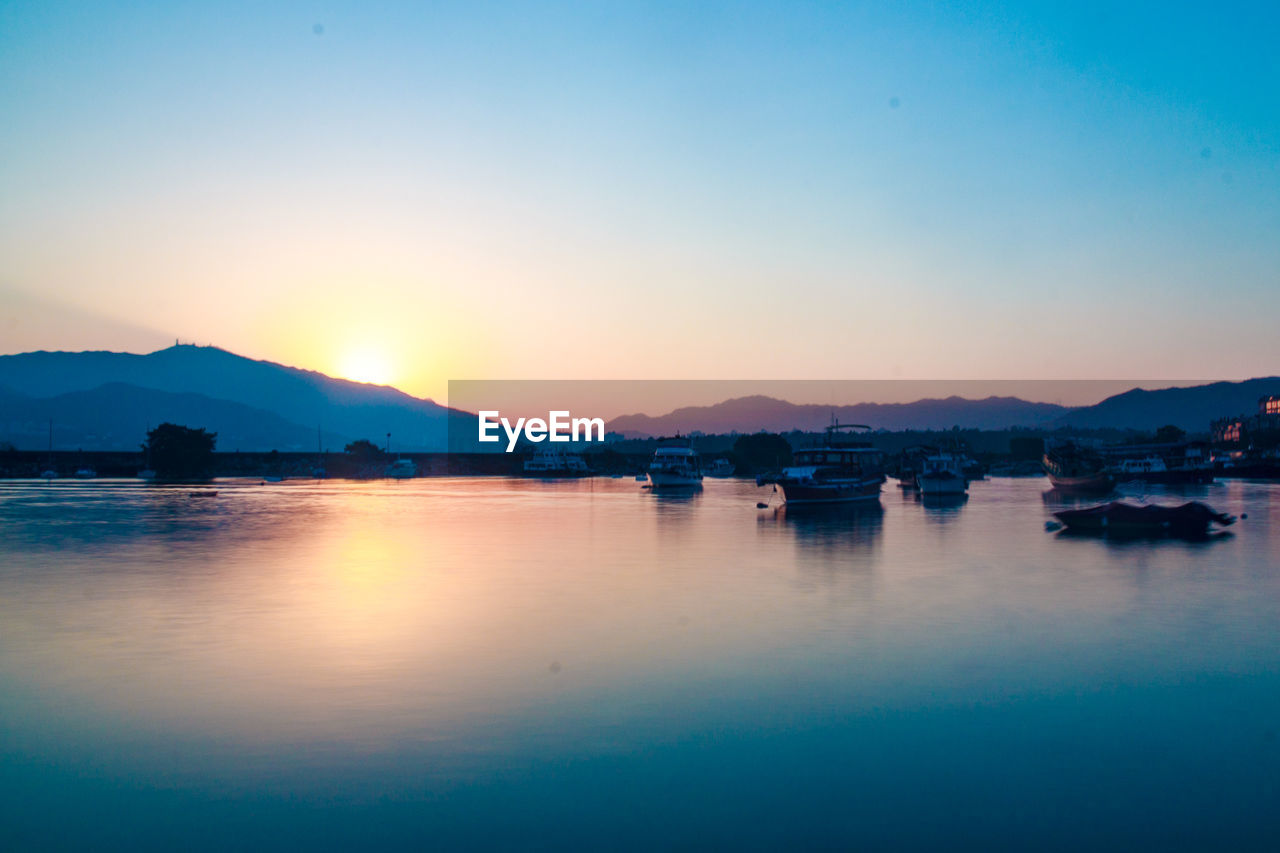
[[1191, 408], [755, 413], [116, 416], [298, 400]]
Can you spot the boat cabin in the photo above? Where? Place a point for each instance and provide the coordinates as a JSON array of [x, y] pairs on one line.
[[860, 458]]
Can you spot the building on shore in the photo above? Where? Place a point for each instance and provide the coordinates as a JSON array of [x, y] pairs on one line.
[[1245, 430]]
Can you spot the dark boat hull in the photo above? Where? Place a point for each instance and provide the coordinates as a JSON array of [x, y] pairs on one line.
[[1116, 518], [837, 491], [1093, 484]]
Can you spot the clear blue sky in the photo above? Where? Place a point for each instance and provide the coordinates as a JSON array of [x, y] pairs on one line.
[[415, 192]]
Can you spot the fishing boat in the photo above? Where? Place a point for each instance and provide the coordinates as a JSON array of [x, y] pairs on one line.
[[553, 462], [675, 464], [941, 474], [837, 472], [909, 462], [1121, 519], [1073, 469]]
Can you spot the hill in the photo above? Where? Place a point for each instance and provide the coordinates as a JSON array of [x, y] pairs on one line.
[[752, 414], [116, 417], [296, 397], [1191, 408]]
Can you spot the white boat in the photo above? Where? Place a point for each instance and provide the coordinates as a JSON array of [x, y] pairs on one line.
[[941, 474], [402, 469], [675, 465], [550, 461]]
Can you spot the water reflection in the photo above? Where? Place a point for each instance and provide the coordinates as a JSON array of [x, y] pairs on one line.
[[675, 495], [819, 523], [560, 652], [942, 508], [1146, 539]]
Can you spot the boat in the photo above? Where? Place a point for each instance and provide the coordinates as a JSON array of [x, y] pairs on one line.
[[85, 473], [402, 469], [550, 461], [675, 464], [1077, 470], [720, 468], [941, 474], [909, 462], [837, 472], [1120, 519], [147, 474], [1173, 462]]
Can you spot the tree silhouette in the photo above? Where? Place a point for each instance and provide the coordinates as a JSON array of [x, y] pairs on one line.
[[181, 453], [761, 451], [363, 451]]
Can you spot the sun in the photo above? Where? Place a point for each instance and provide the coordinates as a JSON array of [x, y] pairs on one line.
[[366, 364]]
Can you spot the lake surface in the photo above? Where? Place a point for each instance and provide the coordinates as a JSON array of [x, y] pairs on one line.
[[470, 663]]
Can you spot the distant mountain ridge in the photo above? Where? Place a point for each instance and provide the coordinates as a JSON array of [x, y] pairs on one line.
[[300, 399], [104, 400], [1191, 408], [755, 413]]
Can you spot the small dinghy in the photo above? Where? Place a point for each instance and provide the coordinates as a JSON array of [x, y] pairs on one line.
[[1190, 519]]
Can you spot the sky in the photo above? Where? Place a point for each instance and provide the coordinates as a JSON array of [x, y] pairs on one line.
[[418, 192]]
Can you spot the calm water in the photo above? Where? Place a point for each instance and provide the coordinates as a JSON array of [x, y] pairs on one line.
[[464, 663]]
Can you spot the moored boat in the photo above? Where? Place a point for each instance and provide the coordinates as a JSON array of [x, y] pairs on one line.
[[1120, 519], [941, 474], [675, 464], [552, 462], [1073, 469], [834, 473], [1173, 463]]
